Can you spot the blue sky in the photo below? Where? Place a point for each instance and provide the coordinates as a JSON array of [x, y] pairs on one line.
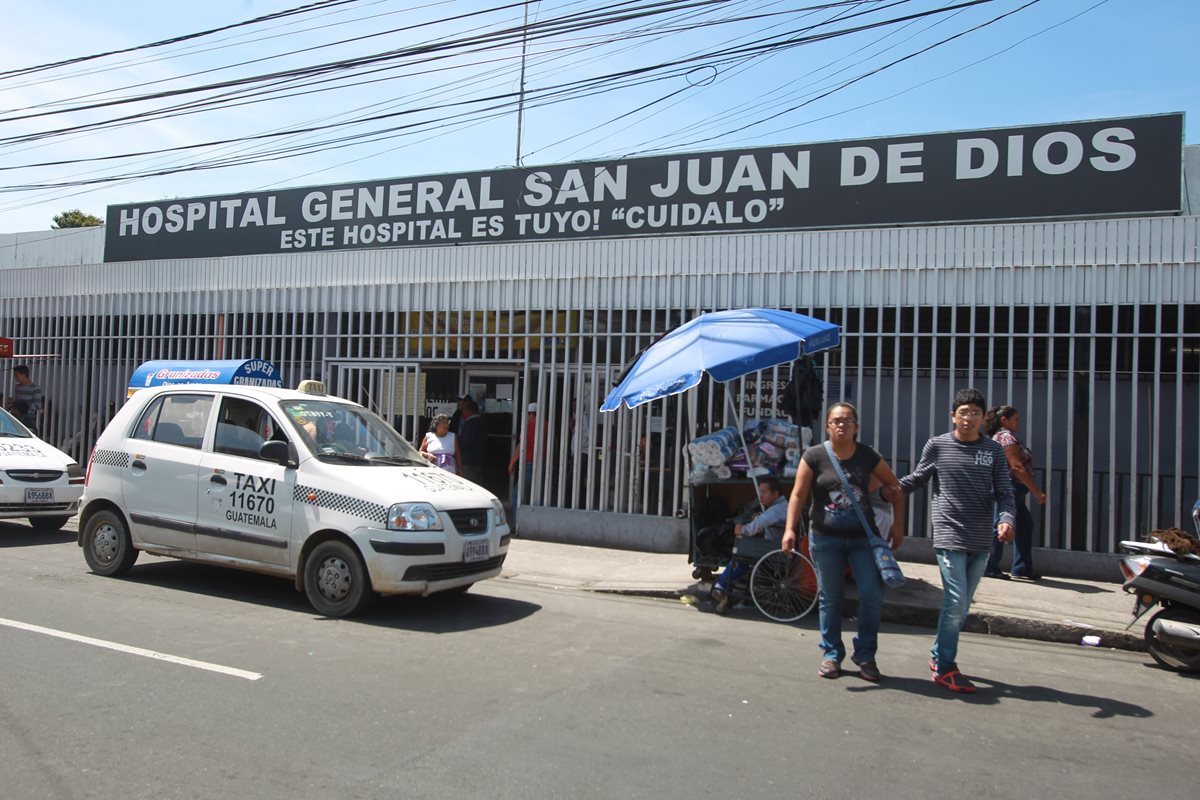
[[1056, 60]]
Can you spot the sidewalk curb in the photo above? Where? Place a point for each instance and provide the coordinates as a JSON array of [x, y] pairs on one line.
[[1016, 627], [924, 617]]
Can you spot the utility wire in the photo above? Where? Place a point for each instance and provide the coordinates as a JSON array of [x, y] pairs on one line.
[[492, 105], [792, 38], [186, 37]]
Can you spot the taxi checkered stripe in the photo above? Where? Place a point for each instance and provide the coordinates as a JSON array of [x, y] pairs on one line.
[[111, 458], [344, 504]]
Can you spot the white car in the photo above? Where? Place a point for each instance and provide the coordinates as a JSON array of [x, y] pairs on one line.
[[288, 483], [37, 481]]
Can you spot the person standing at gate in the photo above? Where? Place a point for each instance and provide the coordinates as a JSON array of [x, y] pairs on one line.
[[440, 446], [1002, 423], [523, 453], [31, 393], [471, 441], [457, 417], [970, 479]]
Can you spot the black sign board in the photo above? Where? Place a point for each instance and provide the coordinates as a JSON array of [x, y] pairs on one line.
[[1096, 168]]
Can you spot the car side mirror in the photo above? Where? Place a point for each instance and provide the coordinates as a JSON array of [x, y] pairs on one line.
[[282, 453]]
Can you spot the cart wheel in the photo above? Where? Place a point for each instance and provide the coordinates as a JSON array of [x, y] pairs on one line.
[[784, 587]]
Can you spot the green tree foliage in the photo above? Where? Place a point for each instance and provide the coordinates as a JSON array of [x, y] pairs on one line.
[[75, 219]]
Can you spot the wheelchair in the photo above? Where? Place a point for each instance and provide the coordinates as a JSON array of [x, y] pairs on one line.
[[782, 586]]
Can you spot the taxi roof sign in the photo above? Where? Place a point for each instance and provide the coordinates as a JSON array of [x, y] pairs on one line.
[[248, 372]]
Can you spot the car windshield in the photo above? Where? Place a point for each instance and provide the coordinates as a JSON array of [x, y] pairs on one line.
[[344, 433], [10, 428]]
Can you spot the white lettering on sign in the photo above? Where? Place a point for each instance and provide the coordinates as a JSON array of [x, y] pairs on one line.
[[541, 188], [861, 165], [304, 238], [421, 230], [1069, 167], [1111, 142], [902, 164], [745, 174], [1054, 153], [400, 200], [1059, 160], [557, 222], [674, 214]]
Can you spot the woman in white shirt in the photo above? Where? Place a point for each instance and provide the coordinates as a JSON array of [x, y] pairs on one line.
[[440, 446]]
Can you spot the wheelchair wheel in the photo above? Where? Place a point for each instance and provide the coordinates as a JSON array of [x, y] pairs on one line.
[[784, 587]]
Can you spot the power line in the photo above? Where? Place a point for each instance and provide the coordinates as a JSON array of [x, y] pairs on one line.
[[433, 117], [174, 40]]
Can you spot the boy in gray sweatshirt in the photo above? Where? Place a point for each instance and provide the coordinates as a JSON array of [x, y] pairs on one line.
[[970, 479]]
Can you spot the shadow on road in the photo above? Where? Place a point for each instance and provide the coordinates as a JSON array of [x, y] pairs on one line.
[[434, 614], [17, 535], [992, 692], [448, 613], [1073, 586]]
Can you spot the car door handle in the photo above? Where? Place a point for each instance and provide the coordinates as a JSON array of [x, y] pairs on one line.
[[219, 480], [138, 464]]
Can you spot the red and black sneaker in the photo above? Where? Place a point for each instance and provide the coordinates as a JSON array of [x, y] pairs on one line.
[[955, 681]]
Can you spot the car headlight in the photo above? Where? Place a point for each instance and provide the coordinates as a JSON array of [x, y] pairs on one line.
[[413, 517], [498, 508], [74, 473]]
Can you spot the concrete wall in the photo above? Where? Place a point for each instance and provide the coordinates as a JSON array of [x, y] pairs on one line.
[[669, 535], [602, 529]]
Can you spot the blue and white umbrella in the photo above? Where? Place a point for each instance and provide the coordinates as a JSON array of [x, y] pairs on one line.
[[726, 345]]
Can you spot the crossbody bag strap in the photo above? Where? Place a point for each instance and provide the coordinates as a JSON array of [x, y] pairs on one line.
[[849, 490]]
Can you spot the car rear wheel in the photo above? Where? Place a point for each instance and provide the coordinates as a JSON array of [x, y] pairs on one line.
[[336, 580], [48, 524], [107, 547]]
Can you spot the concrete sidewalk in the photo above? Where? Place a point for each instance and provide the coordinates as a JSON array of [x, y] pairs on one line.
[[1051, 609]]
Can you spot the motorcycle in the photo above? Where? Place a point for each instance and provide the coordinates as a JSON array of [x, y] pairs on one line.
[[1159, 577]]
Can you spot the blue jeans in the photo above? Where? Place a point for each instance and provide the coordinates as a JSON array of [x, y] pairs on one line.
[[733, 571], [961, 573], [1022, 562], [830, 554]]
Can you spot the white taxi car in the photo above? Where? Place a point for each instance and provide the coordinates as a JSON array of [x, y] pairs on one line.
[[289, 483], [38, 482]]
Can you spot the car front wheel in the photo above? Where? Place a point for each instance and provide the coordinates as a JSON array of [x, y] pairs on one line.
[[336, 581]]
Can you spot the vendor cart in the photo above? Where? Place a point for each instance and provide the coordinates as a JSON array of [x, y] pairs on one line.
[[727, 345]]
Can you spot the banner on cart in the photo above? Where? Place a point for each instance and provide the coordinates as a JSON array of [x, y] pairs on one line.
[[1105, 167]]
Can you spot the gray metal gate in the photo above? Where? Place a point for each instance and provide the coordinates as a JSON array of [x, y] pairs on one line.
[[394, 391]]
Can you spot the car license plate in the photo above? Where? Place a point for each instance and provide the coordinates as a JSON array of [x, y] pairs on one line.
[[476, 551], [39, 495]]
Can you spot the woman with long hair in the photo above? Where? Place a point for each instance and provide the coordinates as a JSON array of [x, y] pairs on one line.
[[1002, 423]]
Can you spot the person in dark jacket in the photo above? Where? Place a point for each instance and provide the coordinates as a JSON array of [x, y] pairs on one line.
[[471, 440]]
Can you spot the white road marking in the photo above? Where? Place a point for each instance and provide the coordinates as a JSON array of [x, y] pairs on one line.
[[134, 651]]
